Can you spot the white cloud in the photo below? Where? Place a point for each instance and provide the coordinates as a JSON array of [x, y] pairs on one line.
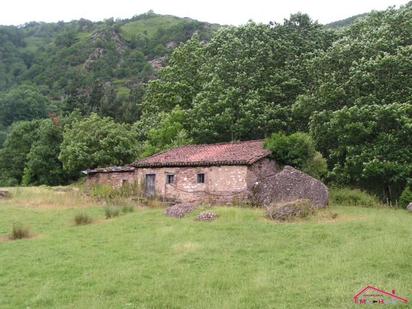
[[219, 11]]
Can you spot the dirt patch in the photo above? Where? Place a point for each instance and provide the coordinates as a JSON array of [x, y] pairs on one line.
[[6, 238], [321, 217]]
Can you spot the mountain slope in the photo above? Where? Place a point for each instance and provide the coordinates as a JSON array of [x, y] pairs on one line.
[[346, 21], [93, 66]]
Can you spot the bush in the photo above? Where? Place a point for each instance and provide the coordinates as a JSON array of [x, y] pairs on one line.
[[353, 197], [126, 209], [290, 210], [297, 150], [294, 149], [406, 197], [82, 219], [111, 212], [19, 231], [317, 167]]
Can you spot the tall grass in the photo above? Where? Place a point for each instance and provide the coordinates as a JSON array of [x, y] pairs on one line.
[[353, 197], [106, 192], [82, 219], [111, 212], [19, 231], [50, 197]]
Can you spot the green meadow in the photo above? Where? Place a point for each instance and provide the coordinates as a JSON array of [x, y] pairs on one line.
[[143, 259]]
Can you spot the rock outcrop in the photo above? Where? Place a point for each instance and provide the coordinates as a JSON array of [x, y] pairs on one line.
[[289, 185], [409, 207]]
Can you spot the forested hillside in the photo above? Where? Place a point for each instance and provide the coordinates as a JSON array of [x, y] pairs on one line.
[[93, 67], [103, 103]]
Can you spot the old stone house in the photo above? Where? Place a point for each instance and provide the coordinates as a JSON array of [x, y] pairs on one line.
[[215, 173]]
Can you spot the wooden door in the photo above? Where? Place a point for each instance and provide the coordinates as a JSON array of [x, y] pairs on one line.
[[149, 188]]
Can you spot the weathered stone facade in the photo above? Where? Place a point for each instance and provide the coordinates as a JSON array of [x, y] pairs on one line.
[[222, 184], [217, 173], [114, 179]]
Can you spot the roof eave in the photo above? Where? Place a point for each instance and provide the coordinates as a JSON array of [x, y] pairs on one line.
[[199, 164]]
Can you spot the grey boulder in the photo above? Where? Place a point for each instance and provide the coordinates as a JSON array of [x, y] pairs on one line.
[[289, 185]]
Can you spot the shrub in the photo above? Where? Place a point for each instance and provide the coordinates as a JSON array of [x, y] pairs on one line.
[[126, 208], [353, 197], [406, 197], [297, 150], [82, 219], [111, 212], [317, 167], [19, 231], [294, 149], [290, 210]]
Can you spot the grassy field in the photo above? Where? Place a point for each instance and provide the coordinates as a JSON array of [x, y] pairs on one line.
[[144, 259], [149, 26]]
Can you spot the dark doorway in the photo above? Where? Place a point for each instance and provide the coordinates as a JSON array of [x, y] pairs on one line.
[[149, 188]]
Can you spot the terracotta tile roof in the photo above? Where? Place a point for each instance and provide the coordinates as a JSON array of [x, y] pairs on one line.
[[238, 153], [110, 169]]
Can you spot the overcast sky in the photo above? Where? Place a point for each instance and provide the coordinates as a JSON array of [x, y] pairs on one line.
[[15, 12]]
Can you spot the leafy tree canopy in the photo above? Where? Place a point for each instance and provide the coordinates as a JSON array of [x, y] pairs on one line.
[[97, 142], [22, 103], [297, 150], [16, 148], [368, 146]]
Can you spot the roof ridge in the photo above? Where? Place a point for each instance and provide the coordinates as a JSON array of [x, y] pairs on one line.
[[198, 146]]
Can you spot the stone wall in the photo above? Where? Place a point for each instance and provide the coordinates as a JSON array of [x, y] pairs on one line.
[[262, 183], [114, 179], [261, 170], [223, 184]]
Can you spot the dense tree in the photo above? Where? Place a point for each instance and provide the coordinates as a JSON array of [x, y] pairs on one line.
[[368, 146], [168, 134], [369, 64], [12, 60], [42, 165], [22, 103], [16, 148], [179, 82], [97, 142], [242, 83], [3, 136]]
